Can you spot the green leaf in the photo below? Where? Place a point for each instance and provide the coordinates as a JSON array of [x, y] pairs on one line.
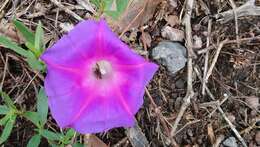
[[38, 44], [67, 138], [51, 135], [7, 129], [4, 119], [32, 59], [108, 4], [4, 109], [78, 145], [33, 117], [42, 105], [7, 100], [121, 5], [113, 14], [7, 43], [34, 63], [27, 34], [34, 141]]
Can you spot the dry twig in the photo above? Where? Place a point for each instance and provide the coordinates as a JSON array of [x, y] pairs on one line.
[[202, 51], [206, 62], [196, 69], [67, 10], [4, 73], [248, 9], [233, 5], [189, 93], [221, 44]]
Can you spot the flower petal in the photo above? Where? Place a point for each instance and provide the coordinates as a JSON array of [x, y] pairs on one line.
[[75, 48], [103, 114], [136, 80]]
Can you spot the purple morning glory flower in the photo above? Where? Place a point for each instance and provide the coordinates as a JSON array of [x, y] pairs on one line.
[[94, 81]]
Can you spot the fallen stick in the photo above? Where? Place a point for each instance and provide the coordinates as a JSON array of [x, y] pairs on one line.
[[189, 44], [248, 9]]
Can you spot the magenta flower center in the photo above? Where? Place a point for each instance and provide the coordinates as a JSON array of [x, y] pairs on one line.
[[102, 69]]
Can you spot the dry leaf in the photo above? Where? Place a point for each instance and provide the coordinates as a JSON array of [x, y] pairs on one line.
[[211, 134], [147, 39], [172, 20], [8, 30], [94, 141], [252, 101], [137, 13], [172, 34]]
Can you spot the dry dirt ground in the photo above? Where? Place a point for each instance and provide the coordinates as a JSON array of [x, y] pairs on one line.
[[201, 105]]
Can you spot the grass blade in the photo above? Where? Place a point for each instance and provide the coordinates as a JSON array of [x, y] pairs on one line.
[[27, 34], [13, 46], [38, 44], [42, 105]]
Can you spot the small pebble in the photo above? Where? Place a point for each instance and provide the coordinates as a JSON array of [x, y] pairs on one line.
[[230, 142]]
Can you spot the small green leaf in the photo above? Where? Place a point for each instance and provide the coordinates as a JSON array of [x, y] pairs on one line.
[[7, 100], [7, 129], [70, 133], [67, 138], [4, 109], [42, 105], [39, 39], [34, 141], [33, 117], [51, 135], [34, 63], [6, 42], [27, 34]]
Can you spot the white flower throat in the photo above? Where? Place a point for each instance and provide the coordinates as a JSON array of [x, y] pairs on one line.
[[102, 69]]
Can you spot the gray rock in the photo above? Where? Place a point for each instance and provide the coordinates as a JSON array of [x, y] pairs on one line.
[[136, 136], [230, 142], [170, 54]]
